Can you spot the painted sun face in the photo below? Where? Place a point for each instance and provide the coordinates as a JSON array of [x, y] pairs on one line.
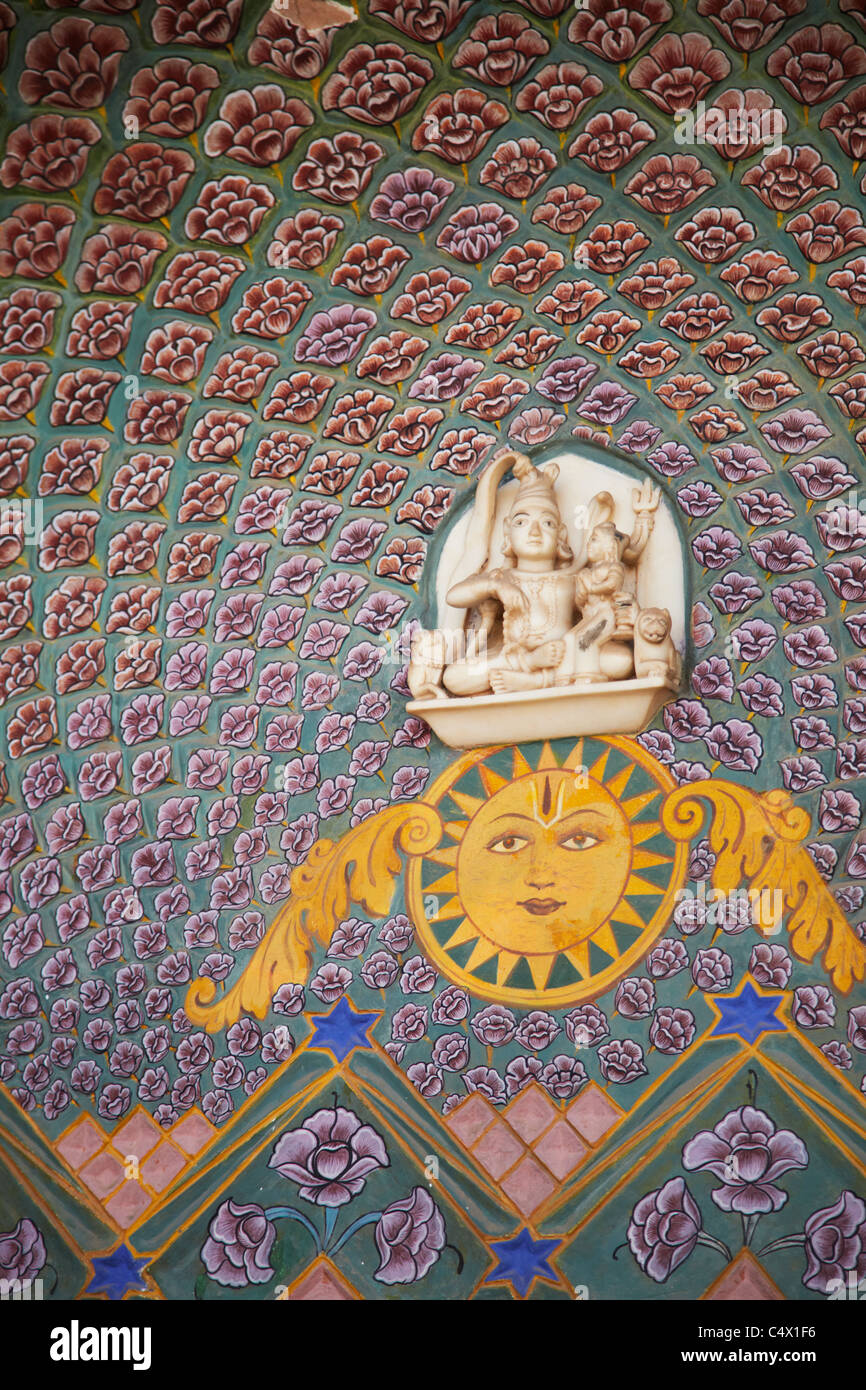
[[558, 879], [542, 860]]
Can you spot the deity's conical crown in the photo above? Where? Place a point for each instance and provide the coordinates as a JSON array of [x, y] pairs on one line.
[[535, 483]]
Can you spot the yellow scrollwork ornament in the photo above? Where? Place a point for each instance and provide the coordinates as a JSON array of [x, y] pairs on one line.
[[542, 884]]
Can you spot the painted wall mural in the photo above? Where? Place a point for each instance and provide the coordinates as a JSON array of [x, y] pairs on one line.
[[296, 1002]]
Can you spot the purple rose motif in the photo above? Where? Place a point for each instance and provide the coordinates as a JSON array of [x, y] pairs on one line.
[[621, 1061], [699, 499], [735, 592], [748, 1153], [635, 997], [639, 436], [445, 378], [770, 965], [494, 1026], [672, 1030], [238, 1247], [607, 403], [739, 463], [672, 460], [795, 431], [22, 1251], [488, 1081], [736, 744], [857, 1027], [713, 679], [712, 970], [474, 232], [330, 1156], [451, 1051], [563, 1077], [761, 694], [537, 1031], [334, 336], [814, 1007], [783, 552], [564, 379], [411, 199], [520, 1072], [835, 1244], [586, 1025], [716, 547], [664, 1229], [409, 1237]]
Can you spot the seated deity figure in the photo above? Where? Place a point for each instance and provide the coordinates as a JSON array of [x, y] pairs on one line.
[[542, 619], [534, 591]]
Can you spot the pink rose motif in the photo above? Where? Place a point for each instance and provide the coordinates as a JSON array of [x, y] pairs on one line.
[[678, 71], [229, 211], [558, 94], [500, 49], [171, 98], [206, 23], [426, 21], [816, 61], [258, 127], [457, 125], [615, 30], [338, 170], [49, 153], [72, 64], [143, 182], [34, 240], [376, 84], [288, 48]]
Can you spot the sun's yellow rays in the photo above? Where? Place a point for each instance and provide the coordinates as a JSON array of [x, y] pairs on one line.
[[519, 766], [547, 762], [491, 781], [506, 965], [597, 771], [635, 804], [465, 932], [482, 952], [453, 908], [644, 859], [446, 884], [605, 939], [616, 785], [624, 912], [575, 757], [446, 854], [638, 885], [540, 968], [645, 830]]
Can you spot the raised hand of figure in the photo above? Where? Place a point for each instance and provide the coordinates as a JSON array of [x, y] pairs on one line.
[[646, 498]]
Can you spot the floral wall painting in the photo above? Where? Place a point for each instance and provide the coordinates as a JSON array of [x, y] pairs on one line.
[[299, 999]]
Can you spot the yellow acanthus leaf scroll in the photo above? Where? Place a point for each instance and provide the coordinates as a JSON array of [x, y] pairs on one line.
[[759, 841], [361, 868]]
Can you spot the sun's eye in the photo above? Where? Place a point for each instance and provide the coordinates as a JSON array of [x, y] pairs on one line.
[[507, 844], [578, 840]]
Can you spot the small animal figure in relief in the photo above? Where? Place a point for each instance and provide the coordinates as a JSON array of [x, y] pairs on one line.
[[654, 650]]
